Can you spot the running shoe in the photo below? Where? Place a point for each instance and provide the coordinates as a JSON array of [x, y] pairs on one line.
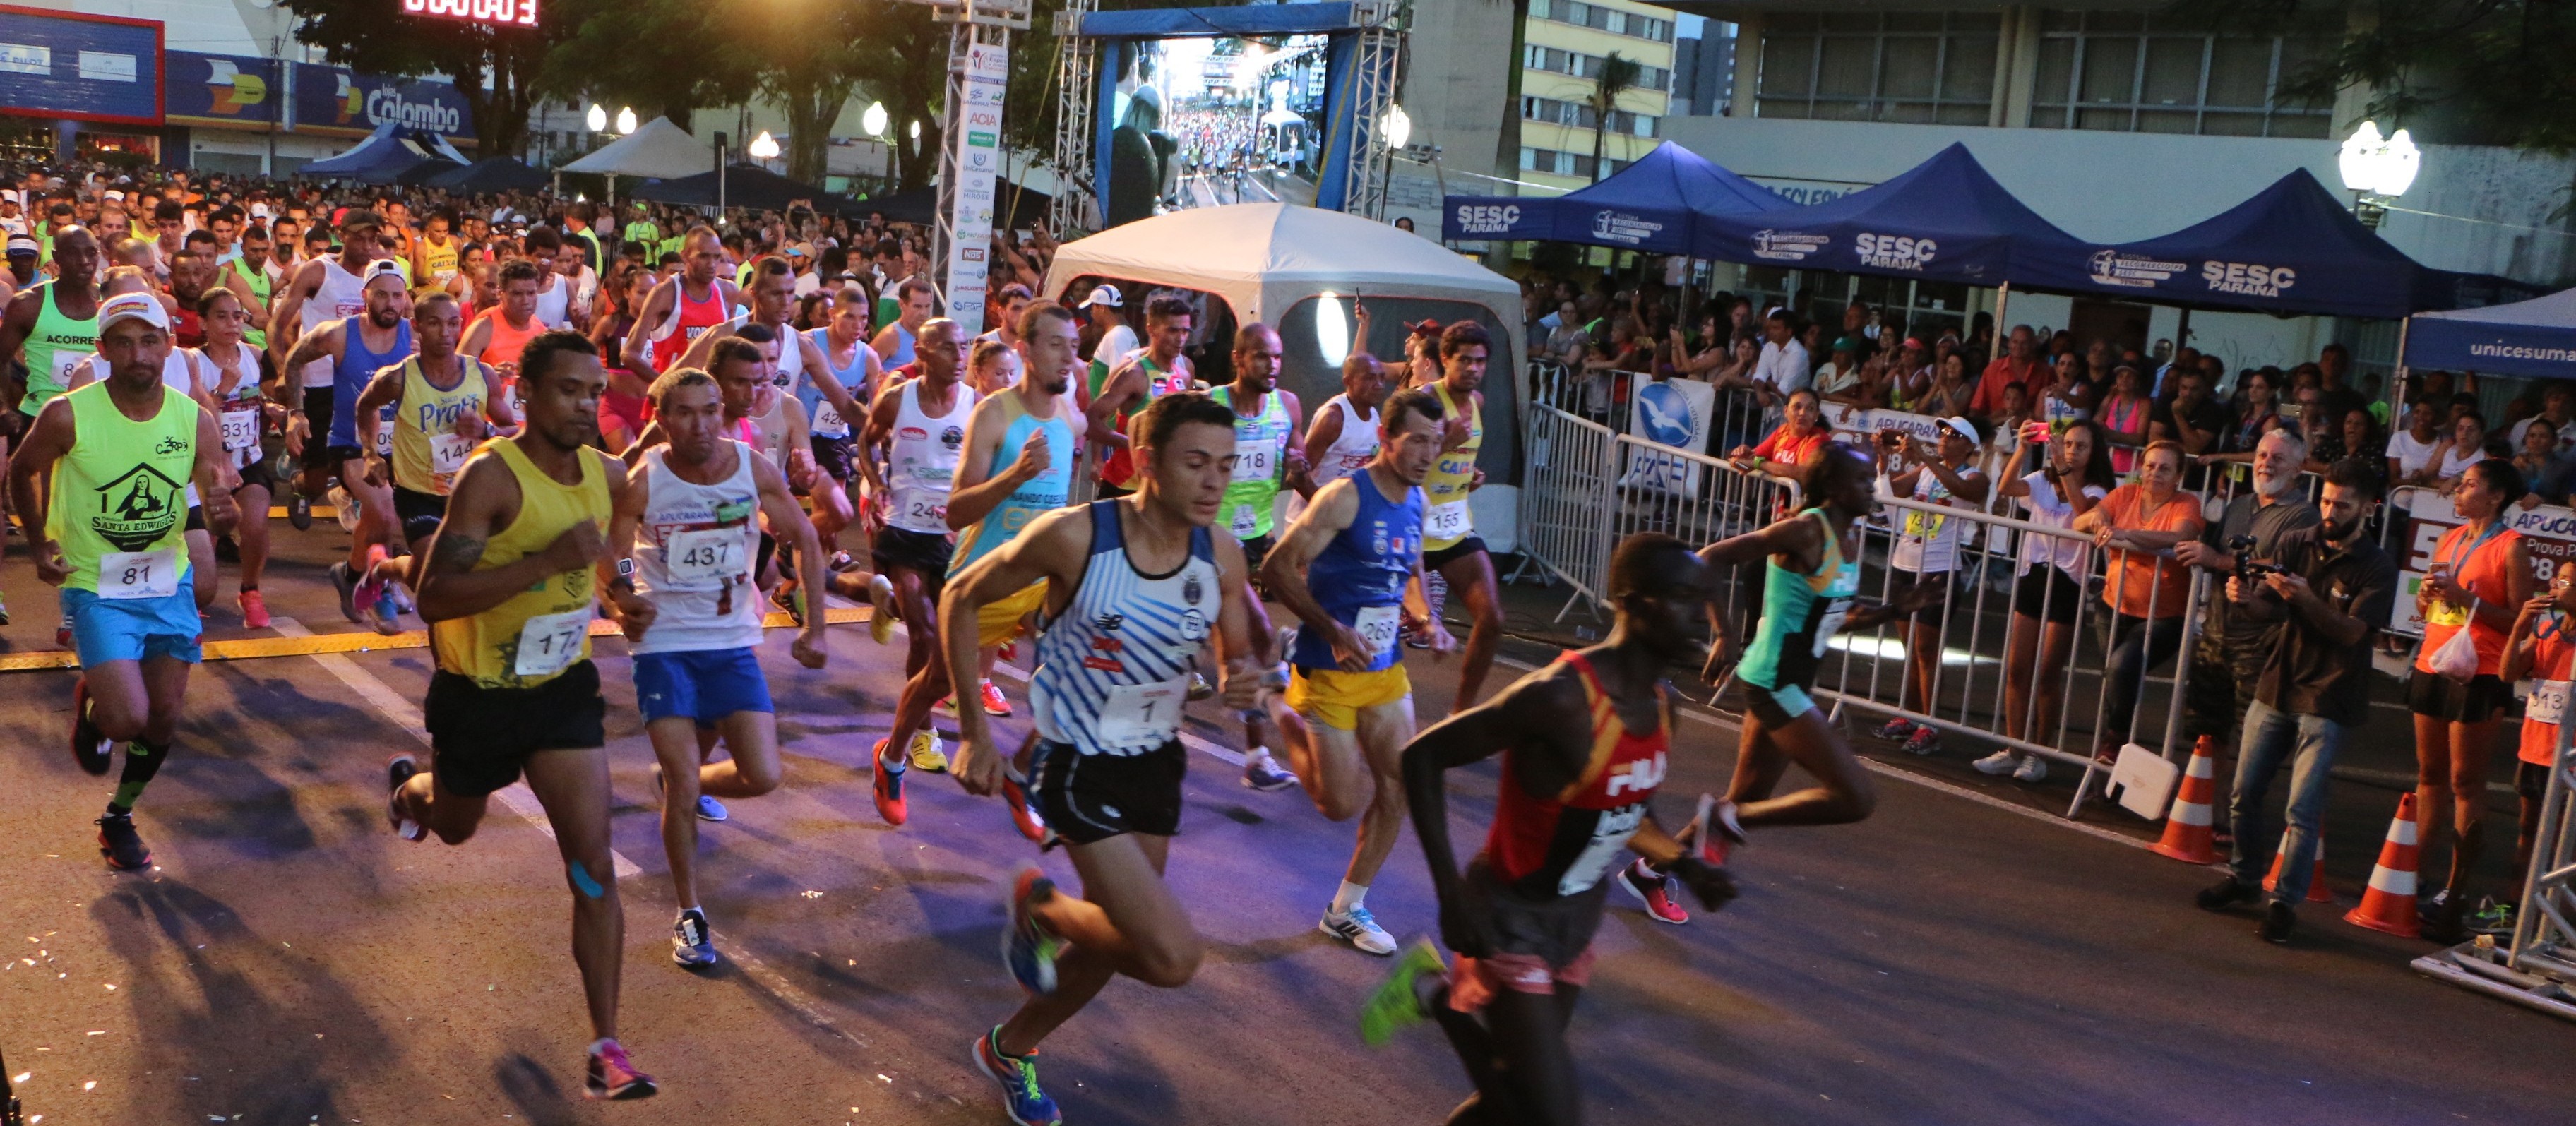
[[299, 511], [926, 753], [791, 599], [1263, 773], [2491, 917], [881, 610], [1024, 813], [2430, 907], [991, 698], [2000, 762], [385, 612], [1021, 1098], [1897, 727], [399, 771], [254, 610], [1200, 689], [1925, 740], [1359, 928], [1397, 1001], [2279, 919], [709, 809], [1656, 890], [118, 842], [90, 748], [888, 787], [346, 582], [612, 1077], [1714, 828], [1027, 948], [2032, 769], [344, 507], [841, 561], [691, 945], [947, 706]]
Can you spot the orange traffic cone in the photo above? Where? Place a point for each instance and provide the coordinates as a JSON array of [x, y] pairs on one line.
[[2187, 835], [2317, 892], [2389, 904]]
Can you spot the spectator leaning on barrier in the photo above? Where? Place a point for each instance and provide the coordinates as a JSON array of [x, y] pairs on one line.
[[2329, 589], [1801, 433], [2191, 417], [2233, 646], [2541, 646], [2139, 523], [2479, 577], [1926, 554], [2074, 475]]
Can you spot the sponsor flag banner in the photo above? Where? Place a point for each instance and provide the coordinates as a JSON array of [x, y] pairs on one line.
[[229, 91], [979, 161], [1674, 413], [333, 100]]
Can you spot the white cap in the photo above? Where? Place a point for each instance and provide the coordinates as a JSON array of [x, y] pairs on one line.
[[1966, 429], [381, 267], [143, 307], [259, 211], [24, 244], [115, 195], [1106, 296]]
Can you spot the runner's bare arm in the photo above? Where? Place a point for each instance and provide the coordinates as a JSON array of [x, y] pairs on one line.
[[1244, 653], [19, 322], [214, 476], [478, 336], [651, 437], [253, 313], [976, 489], [1284, 570], [496, 401], [632, 612], [819, 369], [383, 389], [1295, 455], [323, 343], [46, 441], [787, 522], [1319, 443], [1803, 541], [657, 305], [287, 313], [1051, 547], [1123, 385], [1542, 716], [485, 500], [874, 429]]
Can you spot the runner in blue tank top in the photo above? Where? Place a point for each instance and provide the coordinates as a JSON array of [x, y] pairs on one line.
[[1809, 594], [1135, 586], [1350, 568], [358, 347]]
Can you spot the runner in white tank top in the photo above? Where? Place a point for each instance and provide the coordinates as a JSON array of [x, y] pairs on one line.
[[1342, 437], [342, 294], [922, 459]]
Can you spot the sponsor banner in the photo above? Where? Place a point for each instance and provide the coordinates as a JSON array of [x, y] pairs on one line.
[[979, 159], [1613, 226], [1788, 246], [1673, 413], [1861, 427], [333, 100], [2248, 279], [222, 90], [2548, 536], [81, 67], [2131, 271], [1478, 218]]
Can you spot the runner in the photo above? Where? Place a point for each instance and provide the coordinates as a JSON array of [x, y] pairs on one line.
[[922, 425], [179, 373], [120, 454], [56, 323], [1450, 545], [252, 277], [1134, 587], [233, 379], [499, 333], [357, 348], [1344, 570], [1268, 450], [442, 404], [436, 253], [683, 306], [1135, 380], [1111, 338], [1343, 438], [800, 364], [693, 621], [327, 290], [510, 590], [1016, 464], [894, 344], [842, 360], [1585, 743]]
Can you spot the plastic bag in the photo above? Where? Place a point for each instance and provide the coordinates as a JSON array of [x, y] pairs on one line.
[[2458, 657]]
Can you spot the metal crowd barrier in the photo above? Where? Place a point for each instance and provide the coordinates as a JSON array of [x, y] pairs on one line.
[[1697, 499], [1565, 500]]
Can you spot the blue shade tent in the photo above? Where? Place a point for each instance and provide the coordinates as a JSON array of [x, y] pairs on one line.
[[483, 177], [1945, 219], [1652, 205], [2291, 249], [386, 156], [2535, 339]]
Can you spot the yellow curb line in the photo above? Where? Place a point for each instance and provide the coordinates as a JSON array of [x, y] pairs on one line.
[[358, 642]]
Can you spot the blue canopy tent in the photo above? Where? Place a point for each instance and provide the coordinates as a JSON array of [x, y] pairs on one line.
[[386, 156], [2534, 339], [483, 177], [1653, 205], [1945, 219]]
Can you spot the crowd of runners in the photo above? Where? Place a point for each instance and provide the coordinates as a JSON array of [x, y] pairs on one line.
[[509, 481]]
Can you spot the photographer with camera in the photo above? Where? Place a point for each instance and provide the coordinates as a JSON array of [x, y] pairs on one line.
[[1925, 554], [2328, 587], [2233, 646]]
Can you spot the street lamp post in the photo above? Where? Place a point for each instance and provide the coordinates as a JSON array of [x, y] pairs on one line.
[[2377, 169]]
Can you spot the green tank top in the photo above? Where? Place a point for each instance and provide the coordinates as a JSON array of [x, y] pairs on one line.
[[1800, 613], [258, 280], [1260, 464], [120, 497], [57, 346]]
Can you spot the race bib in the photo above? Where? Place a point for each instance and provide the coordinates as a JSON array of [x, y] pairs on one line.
[[1609, 845], [1446, 521], [1142, 714], [1255, 464], [139, 574], [703, 558], [1246, 522], [1376, 625], [827, 420], [241, 429], [2547, 703], [448, 451], [1832, 624], [66, 362], [548, 643]]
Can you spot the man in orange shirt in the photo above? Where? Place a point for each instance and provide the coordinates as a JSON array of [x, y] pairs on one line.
[[2019, 364]]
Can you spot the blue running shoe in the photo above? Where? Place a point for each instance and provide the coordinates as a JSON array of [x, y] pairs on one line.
[[1021, 1098], [1026, 946], [709, 809], [1264, 774], [691, 945]]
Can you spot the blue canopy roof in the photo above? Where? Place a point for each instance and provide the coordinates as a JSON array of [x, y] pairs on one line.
[[1653, 205], [1945, 219], [2535, 338], [2292, 248], [385, 156]]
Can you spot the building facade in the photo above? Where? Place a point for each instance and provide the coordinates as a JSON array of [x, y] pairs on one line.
[[1565, 140]]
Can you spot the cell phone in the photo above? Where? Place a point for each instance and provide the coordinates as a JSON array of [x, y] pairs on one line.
[[2035, 433]]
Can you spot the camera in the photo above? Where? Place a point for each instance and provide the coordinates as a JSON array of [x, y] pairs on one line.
[[2247, 569]]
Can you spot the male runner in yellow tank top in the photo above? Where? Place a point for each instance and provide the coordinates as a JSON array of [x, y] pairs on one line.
[[1450, 545], [510, 589], [445, 404]]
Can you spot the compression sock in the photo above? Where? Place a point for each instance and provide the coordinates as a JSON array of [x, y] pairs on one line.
[[1349, 897], [142, 761]]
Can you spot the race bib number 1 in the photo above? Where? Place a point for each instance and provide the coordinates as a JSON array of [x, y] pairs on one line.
[[241, 429], [1446, 521], [139, 574], [549, 642], [1142, 714]]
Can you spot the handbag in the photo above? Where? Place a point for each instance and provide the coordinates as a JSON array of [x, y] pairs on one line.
[[2457, 658]]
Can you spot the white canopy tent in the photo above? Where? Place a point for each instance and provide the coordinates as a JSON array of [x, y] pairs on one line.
[[657, 151], [1265, 259]]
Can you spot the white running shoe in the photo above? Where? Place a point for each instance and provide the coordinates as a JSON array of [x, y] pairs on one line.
[[2033, 768], [1360, 929], [2000, 762], [344, 506]]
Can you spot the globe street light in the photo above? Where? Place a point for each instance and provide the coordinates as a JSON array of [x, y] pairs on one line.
[[625, 121], [598, 119], [763, 147], [873, 122], [2378, 169]]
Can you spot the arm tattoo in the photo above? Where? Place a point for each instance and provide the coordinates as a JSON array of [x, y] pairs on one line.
[[455, 554]]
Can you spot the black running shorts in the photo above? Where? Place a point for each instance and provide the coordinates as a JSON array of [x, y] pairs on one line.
[[478, 736], [1087, 798], [919, 552], [420, 514]]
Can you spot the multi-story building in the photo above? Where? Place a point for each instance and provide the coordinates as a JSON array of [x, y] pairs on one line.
[[1567, 140], [1704, 71]]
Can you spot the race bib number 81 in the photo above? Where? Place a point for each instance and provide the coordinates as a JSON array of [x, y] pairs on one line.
[[139, 574]]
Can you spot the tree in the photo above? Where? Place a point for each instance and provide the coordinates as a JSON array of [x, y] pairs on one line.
[[371, 36], [2485, 71], [810, 55], [667, 58], [1617, 76]]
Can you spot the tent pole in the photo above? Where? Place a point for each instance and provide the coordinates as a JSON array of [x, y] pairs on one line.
[[2397, 380], [2003, 329]]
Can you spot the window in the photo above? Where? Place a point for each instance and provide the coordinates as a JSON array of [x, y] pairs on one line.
[[1849, 66], [1580, 65], [1577, 115], [2132, 72], [1601, 18]]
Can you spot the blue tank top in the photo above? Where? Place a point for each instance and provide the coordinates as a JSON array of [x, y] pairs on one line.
[[1035, 496], [1114, 666], [854, 379], [1359, 577], [357, 366], [1800, 613], [902, 347]]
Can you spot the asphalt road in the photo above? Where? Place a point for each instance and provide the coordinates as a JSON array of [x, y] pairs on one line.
[[1964, 956]]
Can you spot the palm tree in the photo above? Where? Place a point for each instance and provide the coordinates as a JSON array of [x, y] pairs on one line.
[[1618, 75]]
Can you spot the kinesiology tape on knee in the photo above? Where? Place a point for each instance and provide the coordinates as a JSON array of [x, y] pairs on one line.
[[582, 881]]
